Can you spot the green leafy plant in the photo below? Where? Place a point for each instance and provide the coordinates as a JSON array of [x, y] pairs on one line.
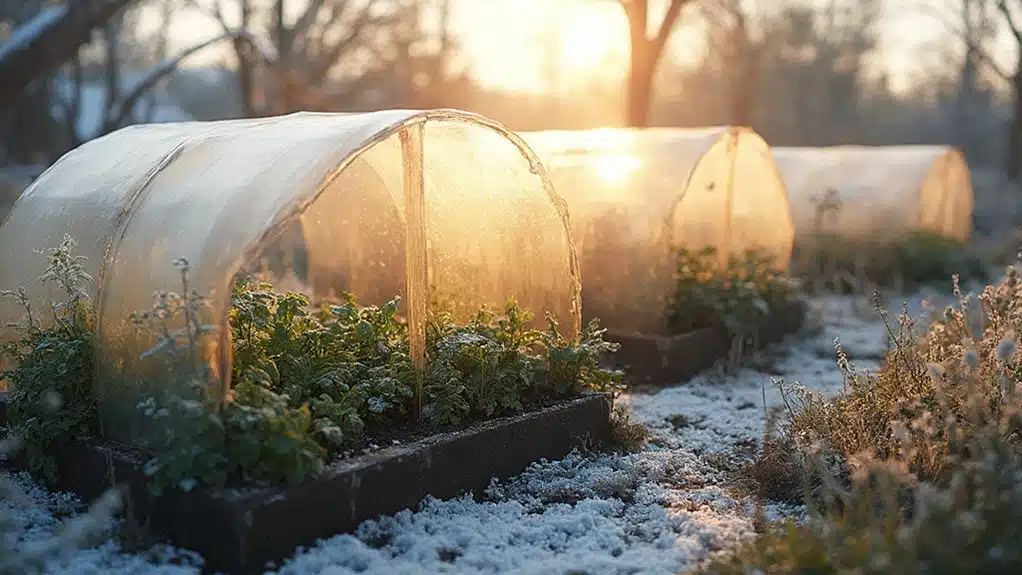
[[50, 404], [495, 365], [737, 298], [50, 383], [253, 434], [350, 364], [311, 383], [268, 440], [912, 260]]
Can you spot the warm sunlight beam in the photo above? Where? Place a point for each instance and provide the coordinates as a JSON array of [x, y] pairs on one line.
[[587, 39]]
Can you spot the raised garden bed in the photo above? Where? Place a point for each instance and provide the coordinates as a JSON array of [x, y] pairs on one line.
[[281, 460], [240, 530], [660, 360]]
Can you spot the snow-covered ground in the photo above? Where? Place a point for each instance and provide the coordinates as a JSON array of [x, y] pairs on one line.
[[661, 510]]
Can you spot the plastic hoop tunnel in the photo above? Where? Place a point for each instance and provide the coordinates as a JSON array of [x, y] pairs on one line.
[[635, 194], [880, 192], [422, 205]]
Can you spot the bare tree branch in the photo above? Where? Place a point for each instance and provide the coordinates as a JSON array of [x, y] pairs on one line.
[[303, 25], [715, 12], [214, 11], [1009, 19], [157, 73], [39, 47], [670, 19], [308, 17], [160, 52], [322, 66], [981, 52], [646, 53]]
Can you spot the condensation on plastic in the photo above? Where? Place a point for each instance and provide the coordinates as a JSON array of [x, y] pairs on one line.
[[221, 194], [883, 191], [635, 194]]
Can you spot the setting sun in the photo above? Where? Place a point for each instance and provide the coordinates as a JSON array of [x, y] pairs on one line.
[[587, 38]]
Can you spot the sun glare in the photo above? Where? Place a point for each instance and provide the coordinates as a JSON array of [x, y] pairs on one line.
[[615, 169], [587, 38]]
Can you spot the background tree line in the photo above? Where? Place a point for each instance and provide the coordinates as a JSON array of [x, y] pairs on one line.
[[800, 72]]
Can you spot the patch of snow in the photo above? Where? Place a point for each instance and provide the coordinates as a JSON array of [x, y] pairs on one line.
[[661, 510], [650, 512], [708, 415], [41, 515]]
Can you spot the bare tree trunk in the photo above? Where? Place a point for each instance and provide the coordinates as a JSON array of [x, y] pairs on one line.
[[438, 64], [246, 72], [746, 77], [285, 40], [640, 85], [112, 65], [744, 98], [39, 47], [74, 137], [120, 114], [282, 34], [242, 50], [160, 54], [1013, 163], [645, 55]]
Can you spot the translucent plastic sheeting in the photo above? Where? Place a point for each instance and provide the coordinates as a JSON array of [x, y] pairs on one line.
[[636, 194], [430, 206], [878, 192]]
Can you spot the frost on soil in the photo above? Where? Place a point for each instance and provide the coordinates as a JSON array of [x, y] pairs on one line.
[[661, 510], [42, 519]]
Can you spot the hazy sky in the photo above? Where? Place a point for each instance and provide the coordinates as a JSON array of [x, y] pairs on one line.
[[500, 34], [505, 45]]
